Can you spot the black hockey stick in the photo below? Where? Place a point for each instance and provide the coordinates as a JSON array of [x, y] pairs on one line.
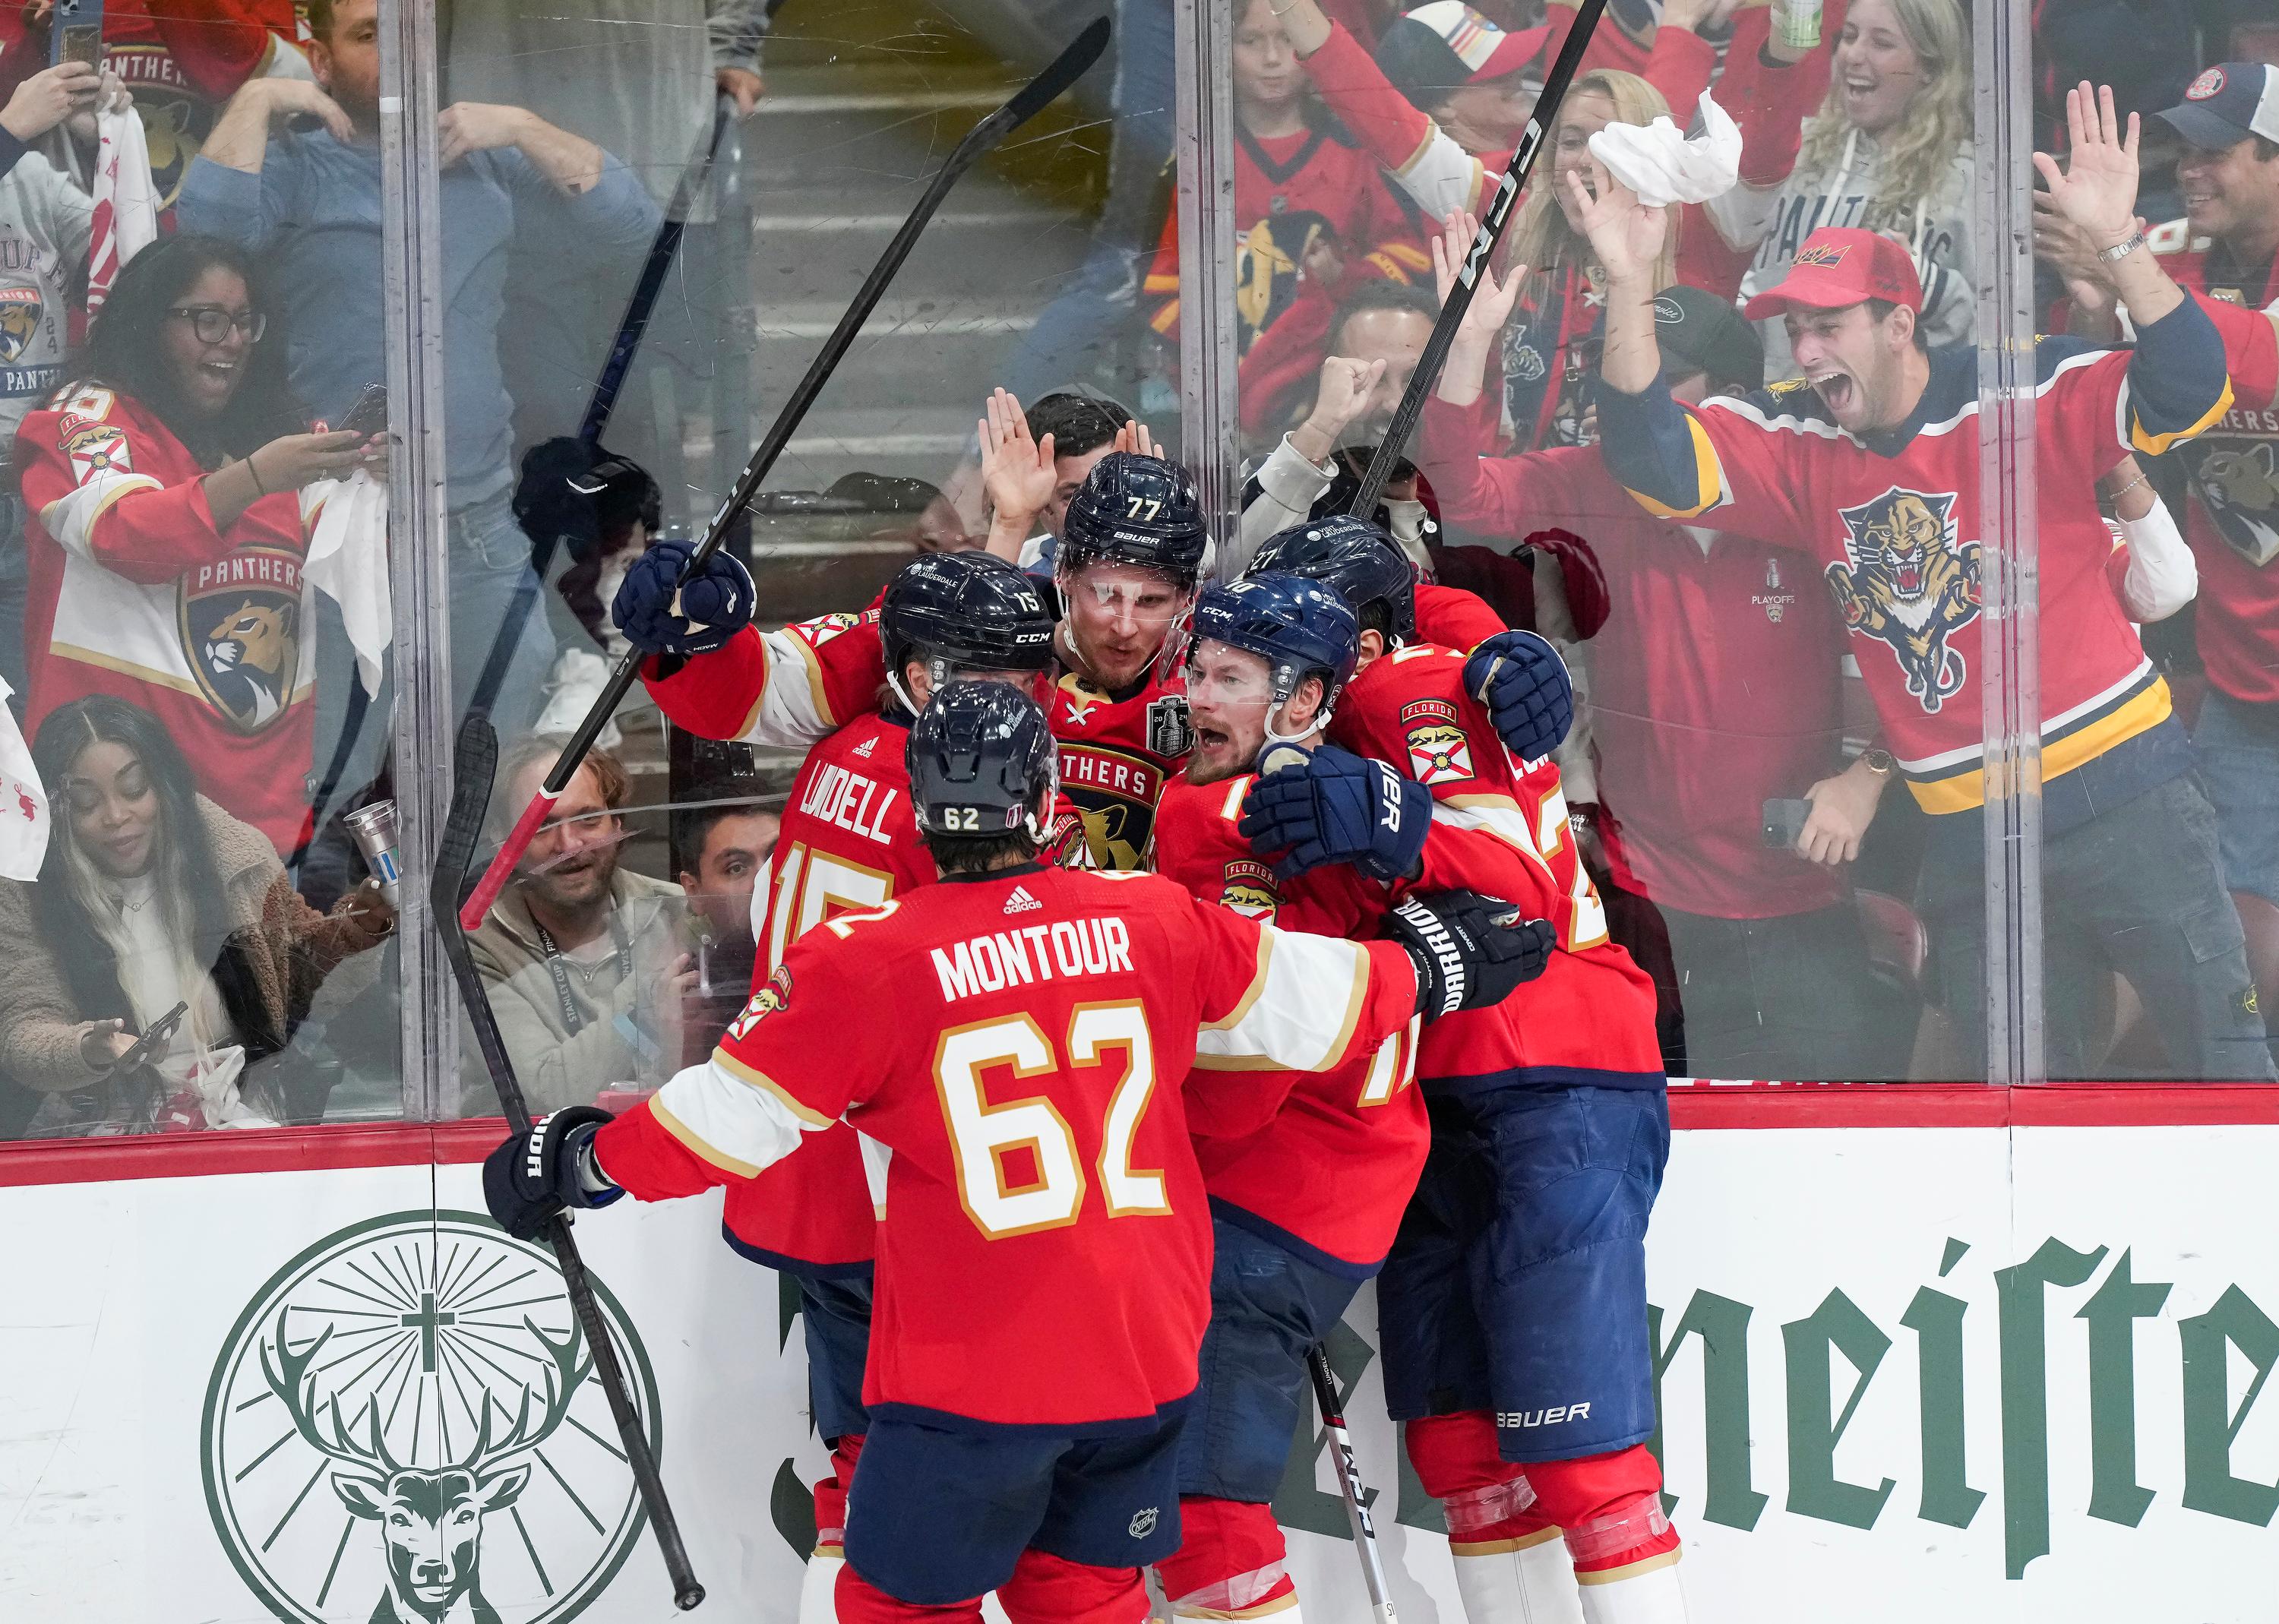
[[1364, 1527], [475, 763], [1492, 220], [1027, 103]]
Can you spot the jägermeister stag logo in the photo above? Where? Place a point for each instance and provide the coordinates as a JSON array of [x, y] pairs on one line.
[[404, 1426]]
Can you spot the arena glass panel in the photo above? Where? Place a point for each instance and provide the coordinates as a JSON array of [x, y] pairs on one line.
[[195, 635]]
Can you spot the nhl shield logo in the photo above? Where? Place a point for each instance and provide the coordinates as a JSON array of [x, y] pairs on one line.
[[21, 310], [241, 629], [1438, 752], [404, 1427], [1142, 1523]]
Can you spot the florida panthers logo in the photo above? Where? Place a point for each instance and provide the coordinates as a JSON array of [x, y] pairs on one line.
[[1438, 752], [2241, 489], [1910, 585], [1249, 890], [19, 322], [765, 1002], [240, 627]]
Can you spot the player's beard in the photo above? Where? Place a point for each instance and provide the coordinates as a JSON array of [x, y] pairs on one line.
[[1217, 755]]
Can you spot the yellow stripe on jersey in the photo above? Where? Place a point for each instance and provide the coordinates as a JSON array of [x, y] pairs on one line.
[[696, 1145], [2152, 445], [1264, 1610], [1628, 1570], [1235, 1016], [1709, 472], [759, 1079], [1964, 787], [1278, 1026]]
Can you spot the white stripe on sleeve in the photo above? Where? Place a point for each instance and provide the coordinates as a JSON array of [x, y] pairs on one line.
[[1300, 1013]]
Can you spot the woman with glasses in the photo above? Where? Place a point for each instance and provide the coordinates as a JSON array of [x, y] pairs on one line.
[[169, 487], [153, 899]]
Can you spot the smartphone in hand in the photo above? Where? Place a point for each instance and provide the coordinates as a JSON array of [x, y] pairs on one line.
[[369, 415], [75, 32], [1783, 824]]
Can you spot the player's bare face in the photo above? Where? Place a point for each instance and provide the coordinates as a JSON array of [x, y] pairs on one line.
[[1581, 116], [347, 64], [114, 807], [209, 374], [1848, 357], [573, 857], [1396, 338], [1877, 69], [1118, 616], [2230, 192], [1229, 693]]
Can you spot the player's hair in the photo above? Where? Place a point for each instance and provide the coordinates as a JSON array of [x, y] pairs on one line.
[[1380, 293], [610, 775], [1540, 238], [1882, 309], [724, 799], [125, 350], [1079, 424], [979, 854], [1919, 150], [320, 20], [2266, 149]]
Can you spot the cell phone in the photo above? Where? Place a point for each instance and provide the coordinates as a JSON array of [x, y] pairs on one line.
[[1784, 824], [75, 32], [369, 415], [154, 1038]]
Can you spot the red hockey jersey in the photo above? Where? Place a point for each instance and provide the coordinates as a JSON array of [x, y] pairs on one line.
[[1333, 1170], [1045, 1257], [849, 843], [134, 593], [1589, 1018], [1895, 518], [180, 63], [2232, 521]]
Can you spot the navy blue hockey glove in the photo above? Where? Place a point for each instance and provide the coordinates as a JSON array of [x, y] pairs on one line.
[[659, 616], [534, 1176], [1469, 950], [1338, 807], [1524, 684]]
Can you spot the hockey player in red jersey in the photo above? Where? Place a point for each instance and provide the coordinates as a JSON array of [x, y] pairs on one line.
[[1043, 1259], [1303, 1207], [1513, 1306]]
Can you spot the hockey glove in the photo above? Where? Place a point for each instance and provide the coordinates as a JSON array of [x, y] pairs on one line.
[[1470, 951], [534, 1176], [659, 614], [1524, 684], [1338, 807]]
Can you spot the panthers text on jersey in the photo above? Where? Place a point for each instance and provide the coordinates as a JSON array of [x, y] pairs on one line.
[[1045, 1256]]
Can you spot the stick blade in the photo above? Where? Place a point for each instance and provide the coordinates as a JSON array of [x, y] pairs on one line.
[[474, 763], [1063, 70]]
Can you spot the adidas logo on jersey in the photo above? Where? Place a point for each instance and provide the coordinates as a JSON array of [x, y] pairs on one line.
[[865, 747], [1021, 901]]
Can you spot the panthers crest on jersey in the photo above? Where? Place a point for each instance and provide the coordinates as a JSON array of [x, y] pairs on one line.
[[1116, 754]]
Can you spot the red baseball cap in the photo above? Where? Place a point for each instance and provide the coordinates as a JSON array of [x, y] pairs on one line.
[[1839, 265]]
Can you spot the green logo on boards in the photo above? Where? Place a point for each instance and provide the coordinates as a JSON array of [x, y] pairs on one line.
[[404, 1425]]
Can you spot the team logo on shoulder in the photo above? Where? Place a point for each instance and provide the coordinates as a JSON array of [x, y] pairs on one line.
[[21, 310], [1438, 752], [765, 1002], [404, 1425], [240, 626], [1910, 585], [1248, 889], [1169, 731], [98, 449], [825, 628], [2240, 489]]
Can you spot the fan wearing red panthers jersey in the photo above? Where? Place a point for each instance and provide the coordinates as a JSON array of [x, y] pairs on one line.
[[1871, 462], [1512, 1308], [850, 842], [1044, 1259], [1303, 1206]]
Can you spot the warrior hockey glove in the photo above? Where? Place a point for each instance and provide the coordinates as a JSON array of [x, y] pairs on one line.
[[660, 616], [534, 1176], [1338, 807], [1524, 684], [1470, 951]]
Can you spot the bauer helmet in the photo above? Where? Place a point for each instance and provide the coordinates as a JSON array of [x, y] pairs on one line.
[[963, 612], [1135, 509], [1299, 627], [982, 764], [1354, 558]]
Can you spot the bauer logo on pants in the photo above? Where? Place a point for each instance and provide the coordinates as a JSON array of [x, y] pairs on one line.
[[403, 1426]]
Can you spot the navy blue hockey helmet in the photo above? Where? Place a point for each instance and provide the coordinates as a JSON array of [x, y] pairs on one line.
[[1135, 509], [972, 611], [1299, 627], [1359, 562], [982, 762]]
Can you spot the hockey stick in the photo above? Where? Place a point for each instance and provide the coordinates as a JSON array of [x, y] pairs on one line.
[[475, 763], [1026, 103], [1364, 1527], [1492, 220], [638, 307]]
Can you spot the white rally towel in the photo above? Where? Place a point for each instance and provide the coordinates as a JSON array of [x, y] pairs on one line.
[[126, 202], [348, 562], [23, 804], [1663, 167]]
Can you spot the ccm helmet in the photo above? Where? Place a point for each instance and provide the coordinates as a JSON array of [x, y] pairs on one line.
[[982, 762], [1299, 627], [963, 612], [1135, 509], [1354, 558]]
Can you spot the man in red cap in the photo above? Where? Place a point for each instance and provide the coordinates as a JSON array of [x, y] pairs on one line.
[[1871, 461]]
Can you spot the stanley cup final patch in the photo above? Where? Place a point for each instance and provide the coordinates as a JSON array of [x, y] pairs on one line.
[[1170, 733], [1439, 753]]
